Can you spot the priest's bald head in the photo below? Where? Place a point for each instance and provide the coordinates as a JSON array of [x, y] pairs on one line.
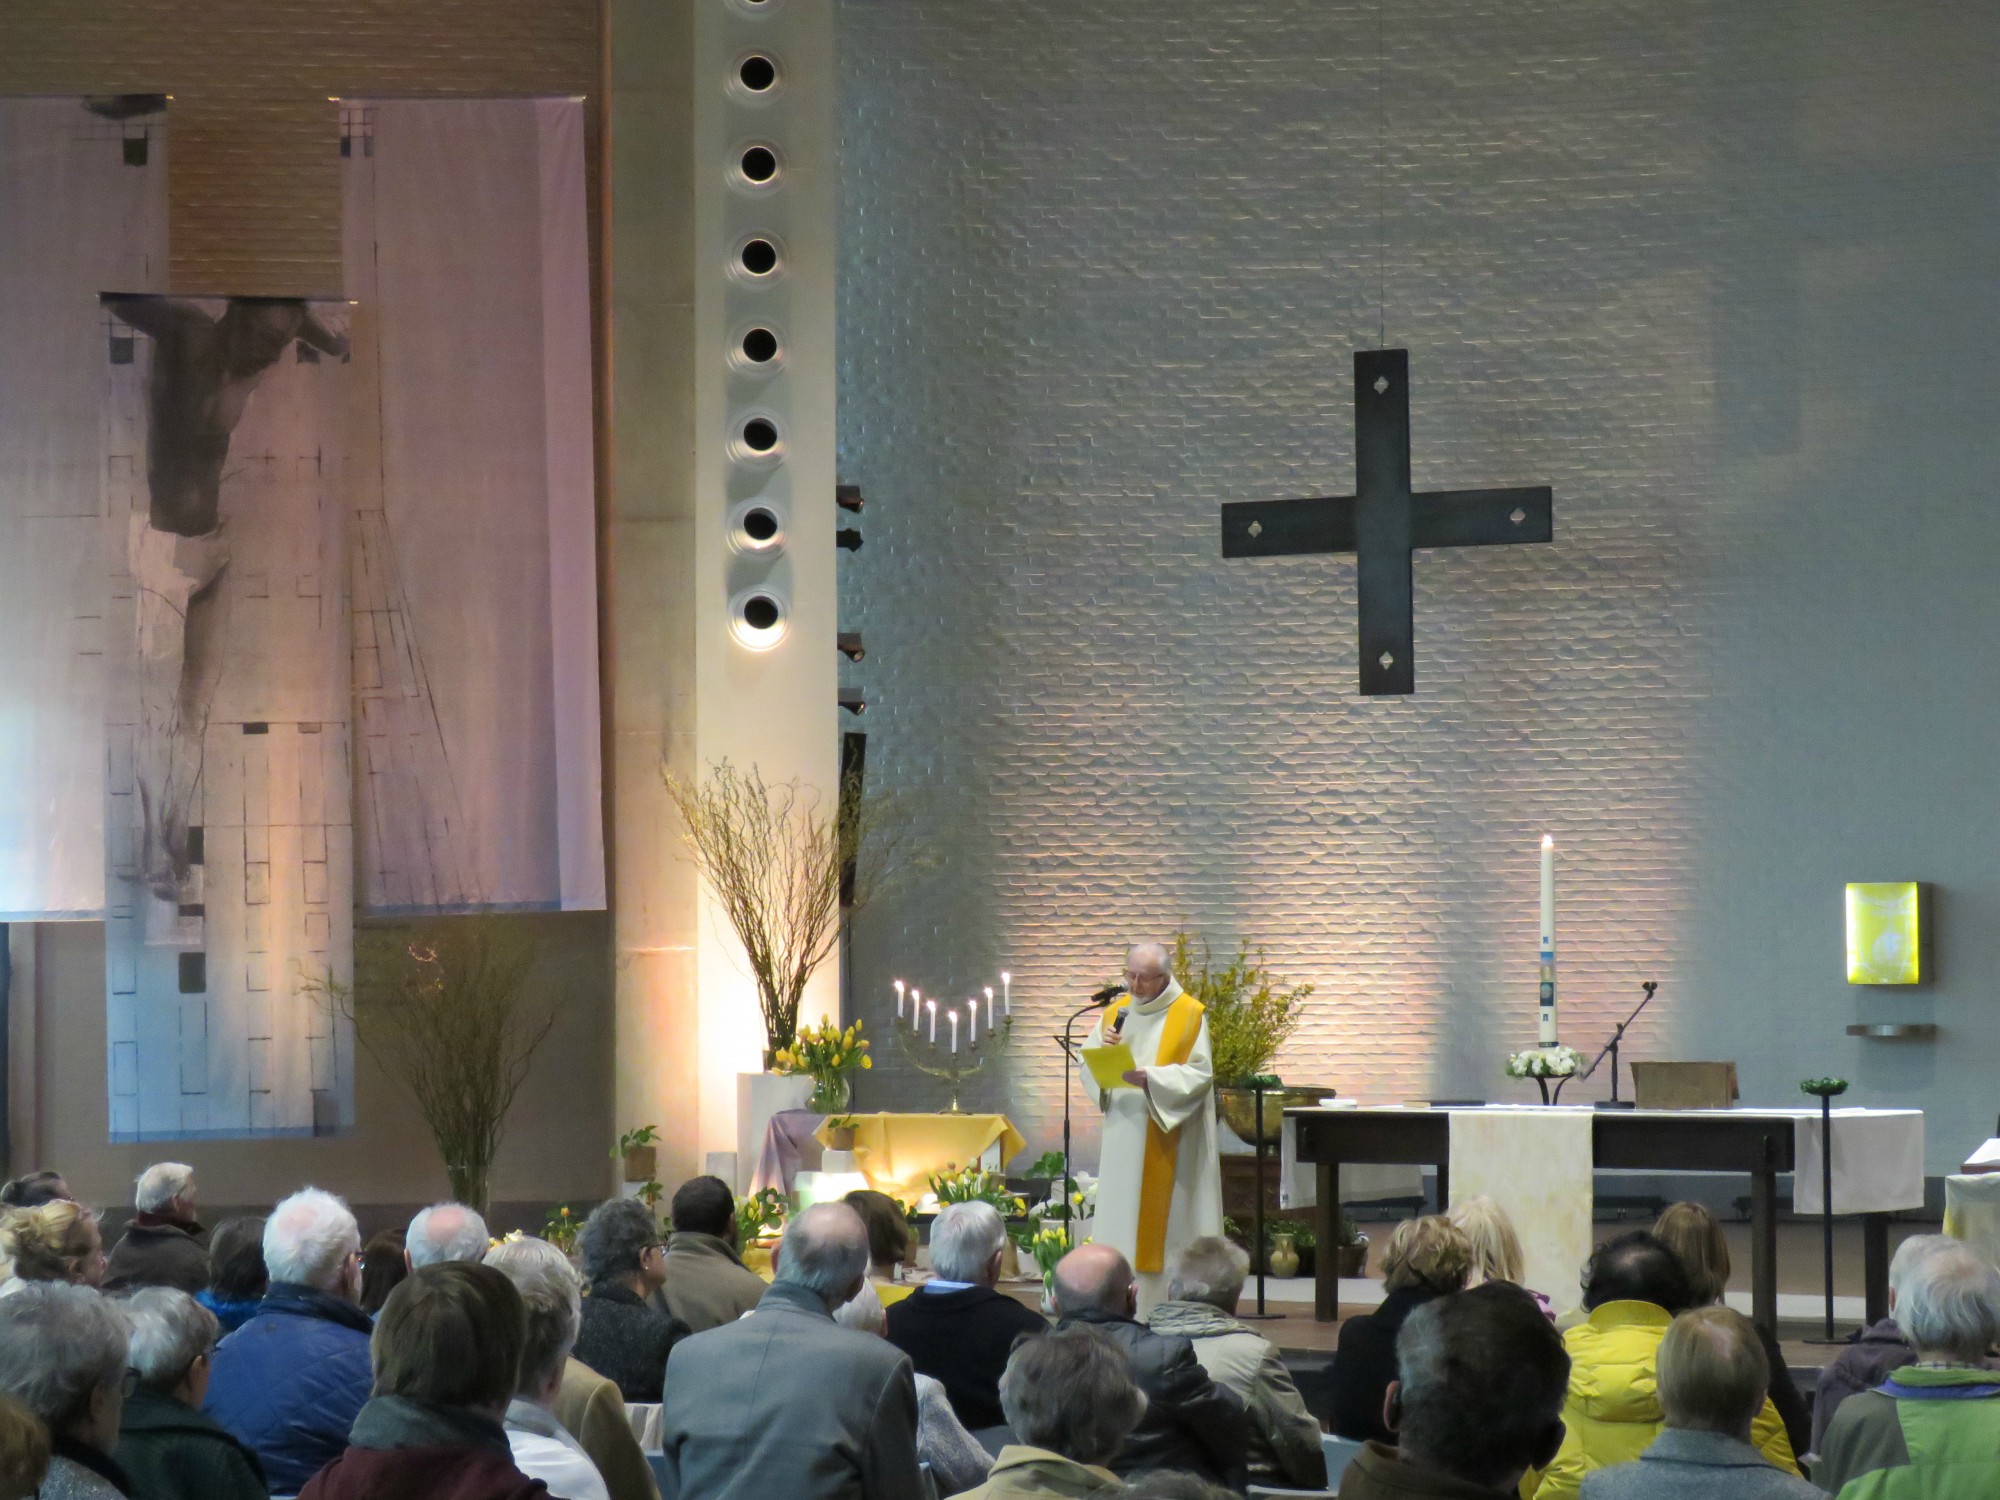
[[1096, 1279], [1148, 967]]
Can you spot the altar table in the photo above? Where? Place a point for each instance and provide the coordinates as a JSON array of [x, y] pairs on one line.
[[899, 1153], [1759, 1142]]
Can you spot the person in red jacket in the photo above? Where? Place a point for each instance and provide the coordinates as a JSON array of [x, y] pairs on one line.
[[446, 1353]]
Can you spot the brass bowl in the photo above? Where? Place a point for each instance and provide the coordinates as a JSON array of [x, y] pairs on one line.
[[1239, 1109]]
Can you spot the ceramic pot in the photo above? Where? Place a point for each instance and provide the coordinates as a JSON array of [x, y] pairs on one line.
[[1284, 1257]]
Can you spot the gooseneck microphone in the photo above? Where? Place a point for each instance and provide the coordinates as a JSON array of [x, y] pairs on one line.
[[1109, 993]]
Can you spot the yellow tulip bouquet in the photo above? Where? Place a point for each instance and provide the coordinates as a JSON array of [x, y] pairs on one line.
[[831, 1056]]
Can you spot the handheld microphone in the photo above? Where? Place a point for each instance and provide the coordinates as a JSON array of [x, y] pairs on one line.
[[1109, 993]]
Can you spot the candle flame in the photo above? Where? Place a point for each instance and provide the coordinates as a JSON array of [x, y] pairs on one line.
[[1548, 841]]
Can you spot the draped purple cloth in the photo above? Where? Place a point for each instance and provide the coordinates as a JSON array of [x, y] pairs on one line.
[[789, 1146]]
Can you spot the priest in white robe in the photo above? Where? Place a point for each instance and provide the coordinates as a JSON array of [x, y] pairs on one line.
[[1159, 1176]]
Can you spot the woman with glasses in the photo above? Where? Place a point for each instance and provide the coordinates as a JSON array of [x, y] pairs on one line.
[[62, 1355], [170, 1450], [623, 1338]]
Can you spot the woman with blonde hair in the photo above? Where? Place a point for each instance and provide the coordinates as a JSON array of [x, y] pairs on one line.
[[1696, 1238], [1426, 1259], [1496, 1248], [57, 1241]]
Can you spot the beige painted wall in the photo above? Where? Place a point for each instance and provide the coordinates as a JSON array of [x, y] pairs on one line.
[[555, 1148]]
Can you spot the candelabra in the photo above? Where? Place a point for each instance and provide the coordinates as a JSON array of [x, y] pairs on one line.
[[964, 1053]]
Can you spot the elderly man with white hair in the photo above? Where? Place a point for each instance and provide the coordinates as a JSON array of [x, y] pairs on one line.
[[957, 1328], [62, 1355], [552, 1299], [167, 1447], [290, 1382], [785, 1402], [1202, 1293], [445, 1232], [162, 1244], [1159, 1175], [1931, 1431]]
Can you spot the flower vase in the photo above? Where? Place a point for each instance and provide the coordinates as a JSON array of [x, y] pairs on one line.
[[1283, 1261], [830, 1096]]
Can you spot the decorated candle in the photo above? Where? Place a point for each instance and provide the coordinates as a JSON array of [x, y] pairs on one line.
[[1548, 944]]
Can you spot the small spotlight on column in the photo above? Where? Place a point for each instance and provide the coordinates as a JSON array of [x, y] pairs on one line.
[[852, 701], [850, 645], [848, 497], [847, 539]]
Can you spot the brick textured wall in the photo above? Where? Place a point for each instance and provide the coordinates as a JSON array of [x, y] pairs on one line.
[[1719, 273], [256, 181]]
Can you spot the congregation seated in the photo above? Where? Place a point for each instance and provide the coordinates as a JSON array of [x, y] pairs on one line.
[[704, 1281], [1476, 1403], [551, 1302], [1190, 1422], [1496, 1247], [24, 1451], [1071, 1403], [1202, 1292], [290, 1382], [445, 1357], [1931, 1431], [1425, 1259], [1692, 1233], [33, 1189], [53, 1241], [1713, 1379], [1879, 1352], [956, 1460], [446, 1232], [385, 1261], [957, 1328], [238, 1278], [162, 1245], [1166, 1484], [623, 1337], [63, 1356], [892, 1244], [167, 1447], [587, 1405], [1633, 1286], [786, 1402]]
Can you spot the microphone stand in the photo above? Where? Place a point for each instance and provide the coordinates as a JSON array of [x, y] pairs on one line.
[[1611, 1049], [1068, 1043]]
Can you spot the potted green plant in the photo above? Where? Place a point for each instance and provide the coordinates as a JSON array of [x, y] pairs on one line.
[[1251, 1013]]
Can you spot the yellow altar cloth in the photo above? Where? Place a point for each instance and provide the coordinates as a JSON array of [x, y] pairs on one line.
[[898, 1153]]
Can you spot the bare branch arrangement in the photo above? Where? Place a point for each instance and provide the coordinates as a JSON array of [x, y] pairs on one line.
[[441, 1005], [774, 855]]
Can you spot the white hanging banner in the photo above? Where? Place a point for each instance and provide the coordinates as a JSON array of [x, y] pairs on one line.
[[228, 834], [83, 210], [475, 582]]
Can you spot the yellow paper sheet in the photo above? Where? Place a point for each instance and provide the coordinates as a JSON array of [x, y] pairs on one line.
[[1109, 1065]]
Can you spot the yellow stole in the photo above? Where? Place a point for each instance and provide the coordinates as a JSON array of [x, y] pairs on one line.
[[1156, 1180]]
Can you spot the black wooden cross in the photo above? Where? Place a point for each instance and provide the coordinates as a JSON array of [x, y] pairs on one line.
[[1382, 521]]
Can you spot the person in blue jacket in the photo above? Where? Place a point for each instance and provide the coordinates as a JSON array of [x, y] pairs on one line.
[[289, 1383]]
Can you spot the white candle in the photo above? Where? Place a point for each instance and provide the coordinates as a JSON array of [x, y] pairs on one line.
[[899, 999], [972, 1030], [1007, 991], [933, 1005], [916, 1008], [954, 1029], [1548, 943]]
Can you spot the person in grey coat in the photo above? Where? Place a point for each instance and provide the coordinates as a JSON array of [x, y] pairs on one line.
[[1713, 1378], [786, 1402], [62, 1355]]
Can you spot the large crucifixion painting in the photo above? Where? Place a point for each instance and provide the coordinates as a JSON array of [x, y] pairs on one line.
[[1383, 521]]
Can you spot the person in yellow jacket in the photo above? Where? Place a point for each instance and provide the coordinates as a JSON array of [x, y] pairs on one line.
[[1632, 1287]]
